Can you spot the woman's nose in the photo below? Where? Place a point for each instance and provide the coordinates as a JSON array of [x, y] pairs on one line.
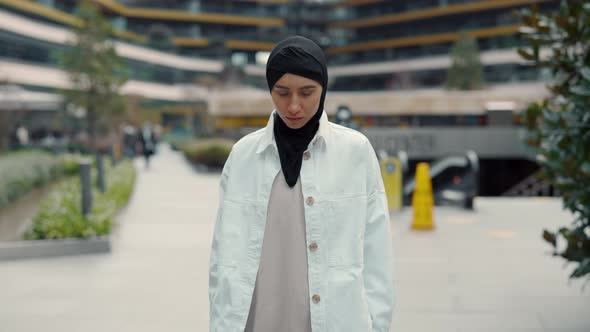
[[294, 106]]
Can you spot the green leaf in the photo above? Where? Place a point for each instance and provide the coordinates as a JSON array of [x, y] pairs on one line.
[[585, 72], [526, 55], [563, 8], [549, 237], [580, 90]]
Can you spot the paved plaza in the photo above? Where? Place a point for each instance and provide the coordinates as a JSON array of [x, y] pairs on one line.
[[487, 270]]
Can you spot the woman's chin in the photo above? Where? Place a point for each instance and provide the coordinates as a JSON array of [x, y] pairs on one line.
[[294, 124]]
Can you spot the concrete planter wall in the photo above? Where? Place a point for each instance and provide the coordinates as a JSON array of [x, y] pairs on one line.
[[13, 250]]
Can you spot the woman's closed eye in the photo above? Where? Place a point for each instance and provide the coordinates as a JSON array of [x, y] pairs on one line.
[[304, 94]]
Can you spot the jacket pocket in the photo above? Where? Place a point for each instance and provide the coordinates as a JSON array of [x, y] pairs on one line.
[[345, 233], [234, 232], [346, 306]]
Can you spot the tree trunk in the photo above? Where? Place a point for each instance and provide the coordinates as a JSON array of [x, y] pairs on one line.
[[91, 118]]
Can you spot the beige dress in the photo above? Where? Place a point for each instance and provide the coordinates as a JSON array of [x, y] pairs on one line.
[[281, 293]]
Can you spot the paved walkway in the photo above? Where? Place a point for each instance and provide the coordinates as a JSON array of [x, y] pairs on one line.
[[483, 271]]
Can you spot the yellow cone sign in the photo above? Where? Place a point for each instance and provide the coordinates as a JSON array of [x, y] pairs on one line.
[[423, 199]]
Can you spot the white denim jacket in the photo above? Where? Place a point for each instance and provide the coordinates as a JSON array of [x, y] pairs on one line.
[[346, 215]]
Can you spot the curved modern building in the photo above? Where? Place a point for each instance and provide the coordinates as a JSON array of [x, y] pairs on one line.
[[371, 44], [388, 63]]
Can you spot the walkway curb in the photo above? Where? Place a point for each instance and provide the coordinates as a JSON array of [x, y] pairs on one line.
[[14, 250]]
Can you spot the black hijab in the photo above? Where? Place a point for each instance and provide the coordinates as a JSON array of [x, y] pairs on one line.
[[299, 56]]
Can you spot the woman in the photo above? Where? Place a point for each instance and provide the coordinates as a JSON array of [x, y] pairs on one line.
[[302, 239]]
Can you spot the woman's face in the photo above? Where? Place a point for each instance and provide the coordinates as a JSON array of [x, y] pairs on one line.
[[296, 99]]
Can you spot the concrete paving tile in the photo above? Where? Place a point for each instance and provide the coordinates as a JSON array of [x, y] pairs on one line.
[[485, 329], [486, 270], [418, 321]]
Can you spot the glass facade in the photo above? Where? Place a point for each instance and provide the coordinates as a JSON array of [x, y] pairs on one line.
[[472, 21], [66, 6], [435, 78], [28, 50], [245, 8], [426, 50], [433, 26], [18, 48], [317, 21], [377, 9], [192, 30], [396, 7]]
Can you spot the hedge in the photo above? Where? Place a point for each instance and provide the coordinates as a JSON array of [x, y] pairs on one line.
[[60, 214], [21, 172], [212, 152]]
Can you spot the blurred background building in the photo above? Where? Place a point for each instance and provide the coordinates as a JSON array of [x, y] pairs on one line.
[[201, 63]]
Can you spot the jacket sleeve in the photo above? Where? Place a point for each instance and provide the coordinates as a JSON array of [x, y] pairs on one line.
[[378, 254], [214, 315]]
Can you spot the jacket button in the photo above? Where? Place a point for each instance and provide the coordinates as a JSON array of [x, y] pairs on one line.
[[309, 200], [306, 155], [313, 246], [315, 298]]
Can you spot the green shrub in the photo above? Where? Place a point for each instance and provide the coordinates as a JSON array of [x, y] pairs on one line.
[[176, 139], [22, 171], [559, 126], [60, 214], [69, 164], [209, 152]]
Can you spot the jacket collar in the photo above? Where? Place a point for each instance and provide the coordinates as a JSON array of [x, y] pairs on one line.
[[269, 140]]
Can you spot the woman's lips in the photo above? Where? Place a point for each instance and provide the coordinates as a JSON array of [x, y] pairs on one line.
[[294, 119]]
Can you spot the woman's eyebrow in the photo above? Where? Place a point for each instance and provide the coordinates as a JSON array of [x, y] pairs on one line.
[[301, 88]]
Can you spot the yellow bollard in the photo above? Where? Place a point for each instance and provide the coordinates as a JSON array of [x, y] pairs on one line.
[[423, 199], [391, 172]]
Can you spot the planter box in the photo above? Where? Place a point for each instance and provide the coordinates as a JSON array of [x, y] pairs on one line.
[[12, 250]]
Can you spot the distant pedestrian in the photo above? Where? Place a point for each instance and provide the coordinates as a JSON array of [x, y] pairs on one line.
[[130, 138], [148, 142], [302, 239], [22, 134]]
